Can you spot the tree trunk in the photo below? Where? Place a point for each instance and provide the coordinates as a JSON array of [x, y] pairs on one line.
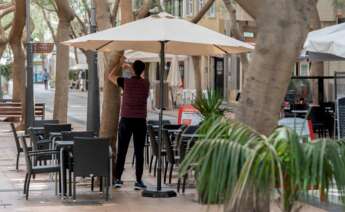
[[236, 32], [66, 15], [279, 42], [111, 93], [18, 68], [197, 59], [197, 75]]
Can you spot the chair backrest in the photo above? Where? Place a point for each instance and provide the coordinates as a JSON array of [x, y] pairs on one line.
[[91, 156], [15, 135], [168, 147], [41, 123], [190, 130], [70, 135], [48, 128], [27, 157], [172, 126], [316, 114], [153, 140]]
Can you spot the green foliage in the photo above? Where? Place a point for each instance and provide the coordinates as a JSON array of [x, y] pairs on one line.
[[232, 157], [6, 71], [209, 103]]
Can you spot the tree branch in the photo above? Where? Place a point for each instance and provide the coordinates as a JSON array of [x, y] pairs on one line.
[[87, 8], [144, 10], [50, 27], [82, 24], [6, 5], [7, 11], [250, 6], [202, 12], [114, 12]]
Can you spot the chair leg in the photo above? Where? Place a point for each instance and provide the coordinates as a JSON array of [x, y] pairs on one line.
[[92, 182], [150, 167], [178, 185], [25, 182], [70, 183], [74, 188], [18, 154], [27, 187], [101, 184], [171, 171], [147, 155], [165, 172], [184, 183], [155, 168], [107, 188], [133, 160]]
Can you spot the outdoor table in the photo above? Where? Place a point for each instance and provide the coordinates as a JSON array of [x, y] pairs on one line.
[[62, 146]]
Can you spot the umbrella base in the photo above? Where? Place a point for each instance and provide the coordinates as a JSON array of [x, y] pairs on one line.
[[163, 193]]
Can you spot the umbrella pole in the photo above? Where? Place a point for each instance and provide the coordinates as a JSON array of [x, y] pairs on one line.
[[159, 192]]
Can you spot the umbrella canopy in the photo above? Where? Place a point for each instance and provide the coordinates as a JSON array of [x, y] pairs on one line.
[[146, 57], [325, 44], [182, 37]]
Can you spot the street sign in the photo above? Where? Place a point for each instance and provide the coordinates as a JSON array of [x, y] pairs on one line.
[[43, 48], [341, 117]]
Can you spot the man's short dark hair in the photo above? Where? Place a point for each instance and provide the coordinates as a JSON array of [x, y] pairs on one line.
[[139, 67]]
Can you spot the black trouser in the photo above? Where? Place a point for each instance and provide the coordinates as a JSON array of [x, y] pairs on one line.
[[127, 127]]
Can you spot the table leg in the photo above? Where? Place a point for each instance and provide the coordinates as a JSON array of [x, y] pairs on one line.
[[62, 173]]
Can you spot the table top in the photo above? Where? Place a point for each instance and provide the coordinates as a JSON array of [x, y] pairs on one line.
[[173, 130], [64, 143], [299, 111], [192, 136]]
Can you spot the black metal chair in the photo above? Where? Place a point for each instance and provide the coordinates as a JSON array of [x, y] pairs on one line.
[[92, 157], [183, 145], [69, 136], [154, 148], [317, 116], [32, 170], [41, 123], [170, 158], [147, 142], [54, 128], [17, 142]]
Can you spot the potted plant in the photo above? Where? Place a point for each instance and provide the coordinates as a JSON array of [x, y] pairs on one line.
[[235, 163]]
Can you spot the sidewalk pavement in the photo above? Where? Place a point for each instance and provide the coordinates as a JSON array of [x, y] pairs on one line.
[[42, 196], [42, 189]]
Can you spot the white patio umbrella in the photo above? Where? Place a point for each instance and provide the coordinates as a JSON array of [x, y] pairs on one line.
[[174, 78], [147, 57], [325, 44], [161, 33]]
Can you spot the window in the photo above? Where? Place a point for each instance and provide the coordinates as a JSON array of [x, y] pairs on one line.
[[212, 10], [188, 8]]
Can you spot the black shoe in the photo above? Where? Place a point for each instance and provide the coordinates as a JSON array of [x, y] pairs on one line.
[[139, 185], [118, 183]]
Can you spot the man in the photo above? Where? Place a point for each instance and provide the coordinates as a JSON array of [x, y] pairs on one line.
[[45, 77], [133, 120]]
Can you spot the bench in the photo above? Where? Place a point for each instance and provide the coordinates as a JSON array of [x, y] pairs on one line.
[[12, 111]]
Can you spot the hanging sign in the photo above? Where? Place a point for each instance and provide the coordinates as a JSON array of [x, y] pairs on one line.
[[188, 115], [42, 48]]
